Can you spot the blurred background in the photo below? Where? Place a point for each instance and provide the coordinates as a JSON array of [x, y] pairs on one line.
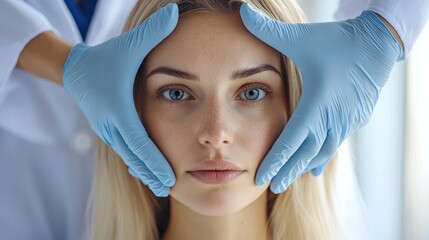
[[391, 153]]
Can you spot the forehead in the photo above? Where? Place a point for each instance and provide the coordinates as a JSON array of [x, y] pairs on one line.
[[205, 39]]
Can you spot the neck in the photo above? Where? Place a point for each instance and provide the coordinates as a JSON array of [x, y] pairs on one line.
[[249, 223]]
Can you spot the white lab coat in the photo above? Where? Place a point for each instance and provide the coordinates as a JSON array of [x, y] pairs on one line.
[[46, 145]]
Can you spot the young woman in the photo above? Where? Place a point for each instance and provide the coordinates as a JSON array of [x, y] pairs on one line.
[[214, 99]]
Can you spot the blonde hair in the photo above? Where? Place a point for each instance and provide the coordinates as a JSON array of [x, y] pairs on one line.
[[123, 208]]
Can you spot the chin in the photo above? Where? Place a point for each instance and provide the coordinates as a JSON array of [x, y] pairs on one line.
[[218, 201]]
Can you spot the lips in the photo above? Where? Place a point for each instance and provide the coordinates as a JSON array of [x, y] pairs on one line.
[[216, 171]]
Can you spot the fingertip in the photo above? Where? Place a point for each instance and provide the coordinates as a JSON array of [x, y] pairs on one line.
[[250, 16], [259, 181], [265, 28], [245, 8], [273, 162], [171, 6], [170, 181], [318, 170], [166, 177], [157, 187], [132, 172], [160, 24], [264, 174], [279, 184], [171, 12], [163, 192], [277, 189], [157, 163]]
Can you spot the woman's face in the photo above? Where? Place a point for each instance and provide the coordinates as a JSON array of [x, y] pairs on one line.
[[213, 101]]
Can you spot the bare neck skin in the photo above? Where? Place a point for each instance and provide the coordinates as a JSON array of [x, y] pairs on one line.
[[249, 223]]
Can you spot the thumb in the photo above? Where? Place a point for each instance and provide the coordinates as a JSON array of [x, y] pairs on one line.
[[281, 36], [143, 38]]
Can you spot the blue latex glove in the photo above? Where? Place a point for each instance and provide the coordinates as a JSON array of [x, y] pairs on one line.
[[344, 66], [101, 79]]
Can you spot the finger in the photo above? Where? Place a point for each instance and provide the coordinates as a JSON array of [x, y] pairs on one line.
[[132, 161], [141, 173], [132, 173], [159, 191], [318, 170], [138, 167], [135, 44], [291, 138], [138, 141], [143, 38], [295, 166], [326, 153], [281, 36]]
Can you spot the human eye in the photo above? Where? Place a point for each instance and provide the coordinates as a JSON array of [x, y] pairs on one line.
[[254, 92], [173, 93]]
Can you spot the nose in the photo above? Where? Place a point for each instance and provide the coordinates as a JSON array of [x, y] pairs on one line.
[[216, 128]]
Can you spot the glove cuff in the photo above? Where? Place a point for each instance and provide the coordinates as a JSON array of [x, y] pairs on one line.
[[386, 37], [73, 57]]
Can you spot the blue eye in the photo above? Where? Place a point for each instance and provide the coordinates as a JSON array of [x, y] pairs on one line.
[[175, 94], [253, 94]]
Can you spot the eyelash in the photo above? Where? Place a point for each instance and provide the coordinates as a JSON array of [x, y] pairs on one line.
[[161, 90], [256, 85]]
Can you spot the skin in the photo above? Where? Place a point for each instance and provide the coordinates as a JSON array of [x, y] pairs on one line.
[[215, 121], [44, 56]]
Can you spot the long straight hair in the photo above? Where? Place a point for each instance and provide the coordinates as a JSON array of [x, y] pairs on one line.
[[123, 208]]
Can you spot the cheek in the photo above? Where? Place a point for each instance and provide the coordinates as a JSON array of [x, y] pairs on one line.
[[257, 134], [170, 134]]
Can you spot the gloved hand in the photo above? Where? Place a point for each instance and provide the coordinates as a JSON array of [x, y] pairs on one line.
[[344, 65], [101, 79]]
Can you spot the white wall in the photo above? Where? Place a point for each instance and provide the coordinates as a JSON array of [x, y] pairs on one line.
[[416, 200], [379, 150]]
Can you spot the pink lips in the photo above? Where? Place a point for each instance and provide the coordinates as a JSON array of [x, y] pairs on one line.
[[216, 171]]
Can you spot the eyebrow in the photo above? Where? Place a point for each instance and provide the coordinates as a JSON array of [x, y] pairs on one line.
[[242, 73]]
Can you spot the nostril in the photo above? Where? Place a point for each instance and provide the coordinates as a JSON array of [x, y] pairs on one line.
[[215, 141]]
